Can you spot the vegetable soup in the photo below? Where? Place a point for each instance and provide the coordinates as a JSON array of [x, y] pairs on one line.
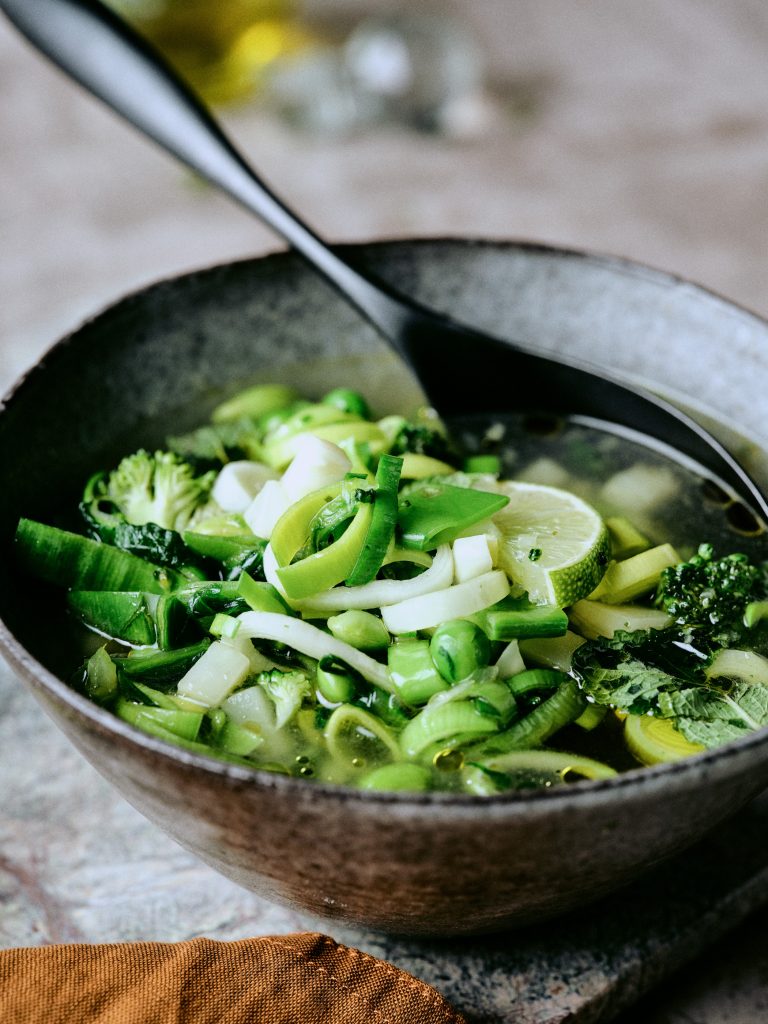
[[301, 587]]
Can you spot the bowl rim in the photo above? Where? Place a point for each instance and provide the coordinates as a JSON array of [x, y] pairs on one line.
[[108, 725]]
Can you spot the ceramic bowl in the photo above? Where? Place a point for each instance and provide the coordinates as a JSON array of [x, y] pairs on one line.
[[424, 863]]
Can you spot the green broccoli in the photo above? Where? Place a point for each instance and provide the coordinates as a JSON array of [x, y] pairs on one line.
[[288, 691], [423, 440], [161, 489], [707, 596]]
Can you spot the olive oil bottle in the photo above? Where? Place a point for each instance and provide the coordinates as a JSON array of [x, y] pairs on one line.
[[222, 47]]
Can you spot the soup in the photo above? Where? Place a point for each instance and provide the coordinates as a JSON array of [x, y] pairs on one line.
[[299, 587]]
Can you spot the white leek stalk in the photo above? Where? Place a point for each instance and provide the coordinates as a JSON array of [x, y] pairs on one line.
[[456, 602], [238, 483], [266, 508], [471, 557], [746, 666], [510, 661], [215, 675], [304, 637], [316, 464]]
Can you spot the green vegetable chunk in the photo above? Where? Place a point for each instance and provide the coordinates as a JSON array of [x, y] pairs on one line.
[[360, 629], [413, 671], [124, 615], [709, 595], [70, 560], [563, 707], [348, 401], [458, 649], [383, 521], [436, 513], [162, 488], [515, 618]]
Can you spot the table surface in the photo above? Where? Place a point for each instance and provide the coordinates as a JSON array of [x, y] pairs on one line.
[[635, 129]]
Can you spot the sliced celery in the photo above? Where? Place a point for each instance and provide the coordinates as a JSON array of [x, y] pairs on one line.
[[627, 580], [593, 619], [184, 724], [626, 539], [515, 618], [535, 679], [437, 723]]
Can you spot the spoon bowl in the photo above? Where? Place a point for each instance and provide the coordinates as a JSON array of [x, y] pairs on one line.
[[98, 49]]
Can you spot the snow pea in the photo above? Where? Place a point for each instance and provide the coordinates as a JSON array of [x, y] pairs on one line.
[[437, 513]]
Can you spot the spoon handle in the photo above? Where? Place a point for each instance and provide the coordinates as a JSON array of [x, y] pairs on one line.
[[104, 54]]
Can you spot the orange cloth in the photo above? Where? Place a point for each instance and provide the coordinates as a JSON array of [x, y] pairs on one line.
[[284, 979]]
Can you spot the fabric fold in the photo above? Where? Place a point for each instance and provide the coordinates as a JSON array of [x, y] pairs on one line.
[[305, 978]]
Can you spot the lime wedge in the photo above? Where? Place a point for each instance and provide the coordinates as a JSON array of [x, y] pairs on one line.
[[553, 544]]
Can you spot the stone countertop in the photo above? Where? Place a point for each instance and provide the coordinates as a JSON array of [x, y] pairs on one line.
[[635, 129]]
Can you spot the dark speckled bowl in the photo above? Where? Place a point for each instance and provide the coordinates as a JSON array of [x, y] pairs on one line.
[[432, 864]]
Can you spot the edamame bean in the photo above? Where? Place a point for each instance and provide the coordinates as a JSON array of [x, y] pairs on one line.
[[337, 686], [359, 629], [400, 776], [458, 649], [348, 401]]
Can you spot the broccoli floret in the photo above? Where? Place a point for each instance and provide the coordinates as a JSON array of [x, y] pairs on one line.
[[288, 691], [707, 596], [423, 440], [160, 488]]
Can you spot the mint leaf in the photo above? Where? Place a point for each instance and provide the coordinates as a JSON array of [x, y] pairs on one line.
[[752, 701], [698, 702], [711, 734], [631, 686]]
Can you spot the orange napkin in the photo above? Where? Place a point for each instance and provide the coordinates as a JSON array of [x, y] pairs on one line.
[[283, 979]]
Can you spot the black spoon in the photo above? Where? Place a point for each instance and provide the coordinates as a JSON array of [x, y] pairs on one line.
[[460, 369]]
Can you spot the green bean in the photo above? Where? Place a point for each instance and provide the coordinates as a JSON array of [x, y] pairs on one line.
[[482, 464], [458, 649]]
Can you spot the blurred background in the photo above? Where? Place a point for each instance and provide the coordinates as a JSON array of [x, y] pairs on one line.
[[639, 129], [636, 129]]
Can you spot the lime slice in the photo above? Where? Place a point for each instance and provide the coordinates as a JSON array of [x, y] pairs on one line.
[[553, 544]]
